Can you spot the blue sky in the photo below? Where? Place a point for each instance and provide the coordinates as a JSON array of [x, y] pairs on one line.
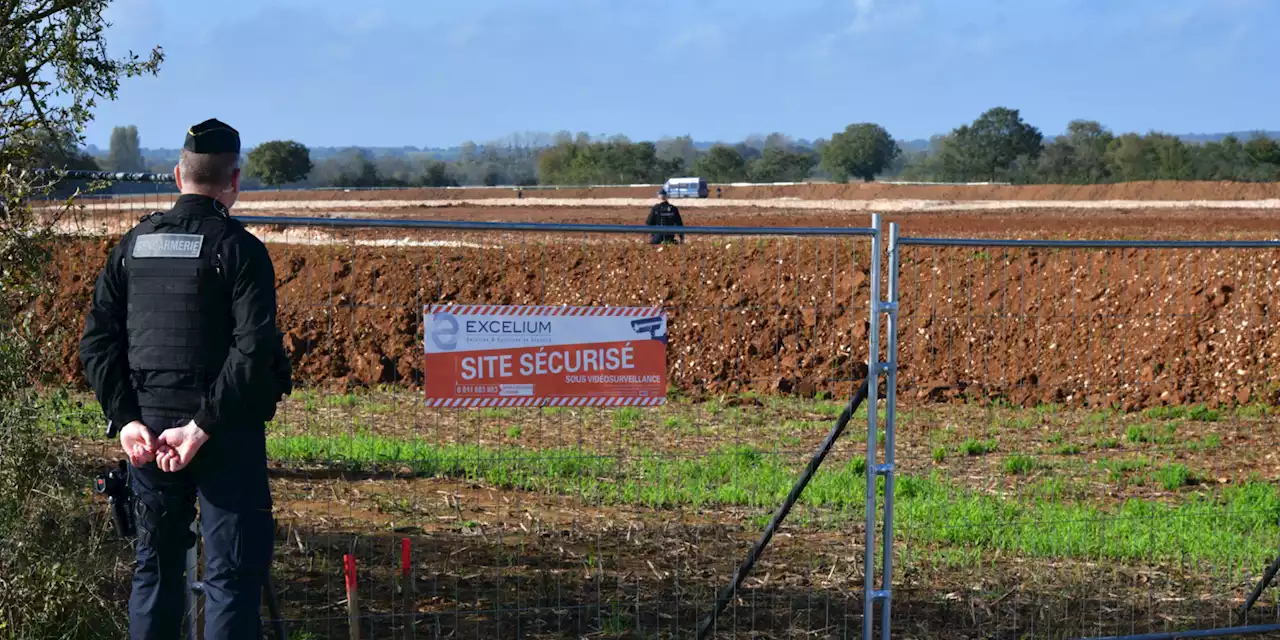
[[434, 73]]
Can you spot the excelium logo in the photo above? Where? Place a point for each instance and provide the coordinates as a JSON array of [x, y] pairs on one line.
[[509, 327], [444, 331]]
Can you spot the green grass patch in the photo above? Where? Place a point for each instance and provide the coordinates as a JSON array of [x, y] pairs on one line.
[[1067, 449], [1253, 411], [939, 454], [627, 418], [832, 410], [1020, 465], [1239, 523], [1173, 476], [1209, 442], [713, 407], [1165, 413], [1098, 418], [1118, 468], [1048, 409], [972, 447], [675, 423], [1151, 434], [343, 400], [496, 413], [1108, 443], [1202, 413]]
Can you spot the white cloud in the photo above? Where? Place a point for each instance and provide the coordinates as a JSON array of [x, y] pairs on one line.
[[704, 37], [369, 20], [869, 16], [878, 15], [863, 16]]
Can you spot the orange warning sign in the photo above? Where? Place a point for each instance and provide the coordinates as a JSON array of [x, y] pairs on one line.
[[492, 356]]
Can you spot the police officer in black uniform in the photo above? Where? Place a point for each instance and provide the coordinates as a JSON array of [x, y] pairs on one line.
[[664, 214], [182, 349]]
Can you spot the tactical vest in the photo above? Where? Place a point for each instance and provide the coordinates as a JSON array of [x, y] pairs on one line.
[[179, 308]]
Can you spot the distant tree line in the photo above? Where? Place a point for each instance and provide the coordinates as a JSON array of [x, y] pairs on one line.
[[998, 146]]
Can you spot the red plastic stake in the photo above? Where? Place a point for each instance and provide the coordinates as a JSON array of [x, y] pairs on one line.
[[404, 557], [407, 584], [353, 607]]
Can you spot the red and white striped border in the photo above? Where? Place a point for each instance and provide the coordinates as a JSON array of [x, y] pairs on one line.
[[516, 310], [545, 402]]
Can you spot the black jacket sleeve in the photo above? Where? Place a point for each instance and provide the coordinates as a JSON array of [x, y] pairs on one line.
[[104, 346], [653, 216], [248, 381]]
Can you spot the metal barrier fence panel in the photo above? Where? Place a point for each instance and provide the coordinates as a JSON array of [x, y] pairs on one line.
[[1085, 436], [553, 521]]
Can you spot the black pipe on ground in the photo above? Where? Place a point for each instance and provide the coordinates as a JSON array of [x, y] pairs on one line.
[[729, 591]]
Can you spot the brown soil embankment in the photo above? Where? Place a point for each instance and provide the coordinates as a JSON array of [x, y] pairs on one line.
[[1148, 190], [1107, 327]]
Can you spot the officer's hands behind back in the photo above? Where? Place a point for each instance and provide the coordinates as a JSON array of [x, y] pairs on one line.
[[178, 446], [138, 443]]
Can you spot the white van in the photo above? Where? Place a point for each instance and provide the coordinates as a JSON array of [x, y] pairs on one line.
[[686, 188]]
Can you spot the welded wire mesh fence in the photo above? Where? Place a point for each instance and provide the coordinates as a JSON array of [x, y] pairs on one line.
[[555, 521], [1083, 442], [1087, 434]]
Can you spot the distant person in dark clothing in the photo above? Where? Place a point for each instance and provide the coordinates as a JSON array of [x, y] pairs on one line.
[[664, 214]]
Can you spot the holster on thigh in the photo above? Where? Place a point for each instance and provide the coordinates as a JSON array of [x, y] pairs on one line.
[[165, 524]]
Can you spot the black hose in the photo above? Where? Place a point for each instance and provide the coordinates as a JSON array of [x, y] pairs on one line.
[[273, 608], [728, 592], [1258, 589]]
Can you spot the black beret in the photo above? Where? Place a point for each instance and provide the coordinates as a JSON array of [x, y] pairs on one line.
[[212, 136]]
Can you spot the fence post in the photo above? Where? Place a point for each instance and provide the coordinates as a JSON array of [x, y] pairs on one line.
[[890, 422], [870, 595]]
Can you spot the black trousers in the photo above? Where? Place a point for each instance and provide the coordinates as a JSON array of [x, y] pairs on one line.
[[229, 477]]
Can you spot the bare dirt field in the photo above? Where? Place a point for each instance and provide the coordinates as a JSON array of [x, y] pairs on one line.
[[789, 315], [856, 191]]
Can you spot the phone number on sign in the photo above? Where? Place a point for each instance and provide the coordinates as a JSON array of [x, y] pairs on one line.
[[476, 388]]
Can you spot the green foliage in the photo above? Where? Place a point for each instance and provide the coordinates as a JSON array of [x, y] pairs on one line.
[[1079, 157], [860, 151], [721, 163], [777, 164], [56, 568], [581, 161], [678, 151], [1263, 150], [350, 168], [994, 146], [279, 162], [125, 153], [56, 557], [59, 150]]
